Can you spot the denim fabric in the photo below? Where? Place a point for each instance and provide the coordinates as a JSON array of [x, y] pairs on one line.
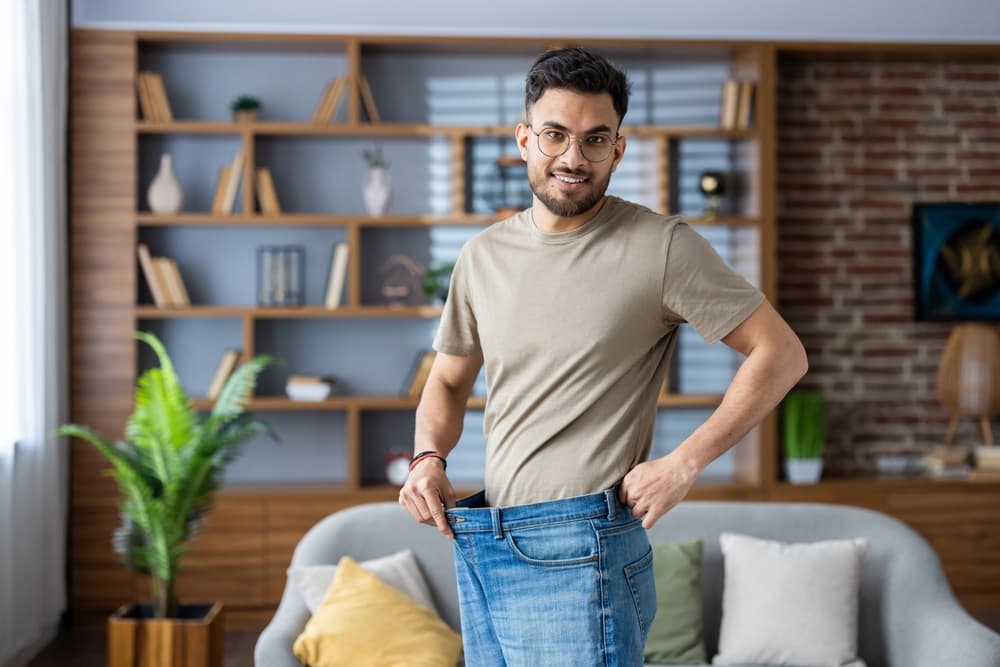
[[563, 582]]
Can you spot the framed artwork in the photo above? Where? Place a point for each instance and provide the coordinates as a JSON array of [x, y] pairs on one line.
[[956, 262]]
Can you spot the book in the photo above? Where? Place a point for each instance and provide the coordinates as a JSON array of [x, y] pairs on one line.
[[266, 196], [423, 372], [367, 99], [165, 275], [145, 98], [156, 288], [730, 98], [744, 106], [177, 282], [220, 189], [327, 107], [988, 458], [225, 368], [232, 184], [338, 274], [159, 97]]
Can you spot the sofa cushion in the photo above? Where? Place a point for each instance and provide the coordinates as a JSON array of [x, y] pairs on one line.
[[400, 570], [675, 637], [364, 621], [790, 604]]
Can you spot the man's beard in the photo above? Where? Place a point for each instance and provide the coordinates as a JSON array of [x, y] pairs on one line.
[[565, 207]]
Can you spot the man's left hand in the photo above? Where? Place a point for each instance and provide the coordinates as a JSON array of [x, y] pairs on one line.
[[654, 487]]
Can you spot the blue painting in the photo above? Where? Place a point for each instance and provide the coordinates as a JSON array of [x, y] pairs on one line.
[[956, 261]]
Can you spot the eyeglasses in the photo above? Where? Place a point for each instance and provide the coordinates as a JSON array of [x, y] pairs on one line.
[[594, 147]]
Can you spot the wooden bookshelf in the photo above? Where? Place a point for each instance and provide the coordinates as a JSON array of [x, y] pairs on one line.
[[254, 527]]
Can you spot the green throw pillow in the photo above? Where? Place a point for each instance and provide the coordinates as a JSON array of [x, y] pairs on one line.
[[676, 634]]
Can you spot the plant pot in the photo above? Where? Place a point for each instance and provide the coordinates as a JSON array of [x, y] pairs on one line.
[[245, 116], [135, 639], [803, 471]]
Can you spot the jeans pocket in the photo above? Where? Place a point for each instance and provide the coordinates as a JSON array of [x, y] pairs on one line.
[[640, 581], [555, 545]]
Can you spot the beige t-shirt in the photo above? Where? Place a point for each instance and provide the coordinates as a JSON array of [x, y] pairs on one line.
[[576, 331]]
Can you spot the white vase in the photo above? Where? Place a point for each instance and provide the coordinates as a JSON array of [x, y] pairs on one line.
[[803, 471], [165, 195], [378, 189]]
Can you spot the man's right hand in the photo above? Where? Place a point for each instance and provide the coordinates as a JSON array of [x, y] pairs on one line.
[[427, 493]]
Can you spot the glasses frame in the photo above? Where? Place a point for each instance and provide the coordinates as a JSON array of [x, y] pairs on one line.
[[573, 138]]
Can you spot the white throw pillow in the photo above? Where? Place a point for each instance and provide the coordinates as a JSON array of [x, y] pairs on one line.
[[400, 570], [790, 604]]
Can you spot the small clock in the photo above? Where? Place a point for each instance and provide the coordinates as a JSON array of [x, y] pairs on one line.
[[397, 467], [713, 185]]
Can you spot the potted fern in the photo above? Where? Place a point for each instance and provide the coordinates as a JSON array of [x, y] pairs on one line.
[[168, 468], [803, 436]]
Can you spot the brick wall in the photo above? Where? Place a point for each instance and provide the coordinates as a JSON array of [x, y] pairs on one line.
[[860, 139]]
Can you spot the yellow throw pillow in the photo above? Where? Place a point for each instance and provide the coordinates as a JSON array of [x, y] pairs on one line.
[[364, 621]]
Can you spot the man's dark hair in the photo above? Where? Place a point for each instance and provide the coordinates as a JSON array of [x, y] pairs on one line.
[[579, 70]]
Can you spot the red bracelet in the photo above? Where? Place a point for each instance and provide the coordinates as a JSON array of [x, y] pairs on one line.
[[428, 455]]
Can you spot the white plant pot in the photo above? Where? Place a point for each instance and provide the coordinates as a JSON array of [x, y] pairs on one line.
[[165, 196], [378, 189], [803, 471]]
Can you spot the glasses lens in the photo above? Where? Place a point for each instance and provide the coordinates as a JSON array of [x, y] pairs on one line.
[[552, 142], [595, 147]]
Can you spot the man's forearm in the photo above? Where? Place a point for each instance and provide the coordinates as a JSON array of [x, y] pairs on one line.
[[440, 418], [763, 379]]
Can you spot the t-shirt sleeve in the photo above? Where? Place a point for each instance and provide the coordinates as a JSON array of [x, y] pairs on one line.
[[458, 332], [700, 288]]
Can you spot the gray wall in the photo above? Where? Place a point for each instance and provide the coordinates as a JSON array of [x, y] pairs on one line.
[[849, 20]]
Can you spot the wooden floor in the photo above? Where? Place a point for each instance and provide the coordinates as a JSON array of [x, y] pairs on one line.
[[86, 649]]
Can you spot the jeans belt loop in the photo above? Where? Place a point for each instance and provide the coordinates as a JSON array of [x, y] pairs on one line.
[[497, 528], [609, 496]]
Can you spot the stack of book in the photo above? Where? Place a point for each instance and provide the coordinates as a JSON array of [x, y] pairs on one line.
[[737, 104], [422, 370], [153, 97], [326, 109], [311, 387], [946, 462], [164, 279], [987, 465]]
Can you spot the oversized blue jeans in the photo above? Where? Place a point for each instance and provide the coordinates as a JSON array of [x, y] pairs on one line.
[[562, 582]]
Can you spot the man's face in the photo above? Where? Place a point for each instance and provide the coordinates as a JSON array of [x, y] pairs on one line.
[[556, 181]]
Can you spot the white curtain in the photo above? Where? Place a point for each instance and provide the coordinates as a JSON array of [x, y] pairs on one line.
[[34, 375]]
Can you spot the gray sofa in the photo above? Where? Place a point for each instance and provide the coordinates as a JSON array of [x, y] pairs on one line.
[[908, 614]]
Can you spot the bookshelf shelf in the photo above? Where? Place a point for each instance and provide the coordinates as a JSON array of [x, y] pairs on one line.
[[306, 220], [291, 312], [280, 403], [279, 128]]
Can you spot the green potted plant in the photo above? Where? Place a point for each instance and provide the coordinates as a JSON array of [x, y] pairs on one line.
[[245, 108], [168, 467], [803, 435], [435, 282]]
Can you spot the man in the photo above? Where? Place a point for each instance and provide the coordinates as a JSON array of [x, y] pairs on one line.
[[573, 305]]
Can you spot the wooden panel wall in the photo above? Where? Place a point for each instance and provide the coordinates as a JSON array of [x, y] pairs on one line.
[[102, 190]]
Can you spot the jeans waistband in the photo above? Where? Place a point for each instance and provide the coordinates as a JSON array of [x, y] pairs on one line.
[[468, 517]]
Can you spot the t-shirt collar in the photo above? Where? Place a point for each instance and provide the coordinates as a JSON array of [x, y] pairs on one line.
[[565, 237]]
